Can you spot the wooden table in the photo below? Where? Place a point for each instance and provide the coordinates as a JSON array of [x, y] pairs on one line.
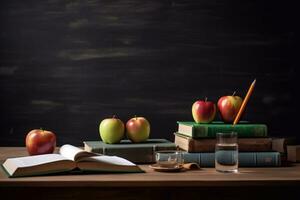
[[249, 183]]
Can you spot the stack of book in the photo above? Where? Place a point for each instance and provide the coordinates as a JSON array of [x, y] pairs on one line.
[[198, 142]]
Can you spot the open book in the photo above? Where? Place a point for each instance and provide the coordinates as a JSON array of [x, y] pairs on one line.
[[70, 158]]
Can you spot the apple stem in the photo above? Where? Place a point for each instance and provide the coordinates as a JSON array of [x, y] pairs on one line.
[[205, 99], [135, 117], [233, 93], [41, 129]]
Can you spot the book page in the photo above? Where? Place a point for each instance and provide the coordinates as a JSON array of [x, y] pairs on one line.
[[113, 160], [12, 164], [39, 164], [29, 161], [74, 153], [69, 151]]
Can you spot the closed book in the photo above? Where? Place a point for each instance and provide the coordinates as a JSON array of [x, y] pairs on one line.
[[208, 144], [243, 129], [135, 152], [280, 144], [245, 159]]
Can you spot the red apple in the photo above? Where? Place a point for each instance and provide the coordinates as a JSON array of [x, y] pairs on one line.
[[204, 111], [138, 129], [40, 141], [229, 106]]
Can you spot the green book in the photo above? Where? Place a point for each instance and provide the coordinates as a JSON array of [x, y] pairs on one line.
[[135, 152], [243, 129]]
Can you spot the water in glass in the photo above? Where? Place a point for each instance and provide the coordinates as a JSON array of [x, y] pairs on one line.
[[226, 154]]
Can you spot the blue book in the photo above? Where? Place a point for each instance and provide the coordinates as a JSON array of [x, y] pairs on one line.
[[245, 159]]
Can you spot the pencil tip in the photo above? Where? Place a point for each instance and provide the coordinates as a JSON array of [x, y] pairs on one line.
[[254, 81]]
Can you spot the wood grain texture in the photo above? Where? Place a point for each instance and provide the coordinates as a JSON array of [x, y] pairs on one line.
[[66, 65], [206, 177]]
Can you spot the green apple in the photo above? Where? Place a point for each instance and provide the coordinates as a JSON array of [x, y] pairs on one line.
[[111, 130]]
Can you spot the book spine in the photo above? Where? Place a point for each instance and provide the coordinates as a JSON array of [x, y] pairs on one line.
[[258, 130], [208, 145], [138, 155], [246, 159], [255, 144]]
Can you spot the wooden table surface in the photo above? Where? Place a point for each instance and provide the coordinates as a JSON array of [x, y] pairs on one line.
[[204, 178]]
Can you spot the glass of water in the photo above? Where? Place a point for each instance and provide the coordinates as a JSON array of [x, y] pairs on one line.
[[226, 154]]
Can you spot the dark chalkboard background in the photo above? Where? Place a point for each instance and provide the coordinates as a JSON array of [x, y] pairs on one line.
[[66, 65]]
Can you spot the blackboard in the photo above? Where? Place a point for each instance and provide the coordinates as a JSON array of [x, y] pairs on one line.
[[66, 65]]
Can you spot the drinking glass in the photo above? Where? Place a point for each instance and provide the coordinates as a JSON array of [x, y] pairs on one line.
[[169, 159], [226, 154]]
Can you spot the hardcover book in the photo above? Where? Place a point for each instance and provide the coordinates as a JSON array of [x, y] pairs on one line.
[[293, 153], [135, 152], [243, 129], [280, 144], [208, 144], [70, 158], [245, 159]]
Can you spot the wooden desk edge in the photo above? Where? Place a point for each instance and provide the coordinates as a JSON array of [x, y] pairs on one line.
[[213, 183]]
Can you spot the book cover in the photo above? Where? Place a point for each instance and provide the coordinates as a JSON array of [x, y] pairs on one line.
[[245, 159], [243, 129], [135, 152], [208, 144]]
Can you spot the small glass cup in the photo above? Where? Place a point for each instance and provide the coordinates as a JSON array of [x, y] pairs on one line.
[[226, 154], [169, 159]]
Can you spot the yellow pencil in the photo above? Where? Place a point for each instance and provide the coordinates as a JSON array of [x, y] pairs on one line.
[[243, 106]]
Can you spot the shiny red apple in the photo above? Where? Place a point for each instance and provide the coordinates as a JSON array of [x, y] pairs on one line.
[[138, 129], [204, 111], [229, 106], [39, 141]]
